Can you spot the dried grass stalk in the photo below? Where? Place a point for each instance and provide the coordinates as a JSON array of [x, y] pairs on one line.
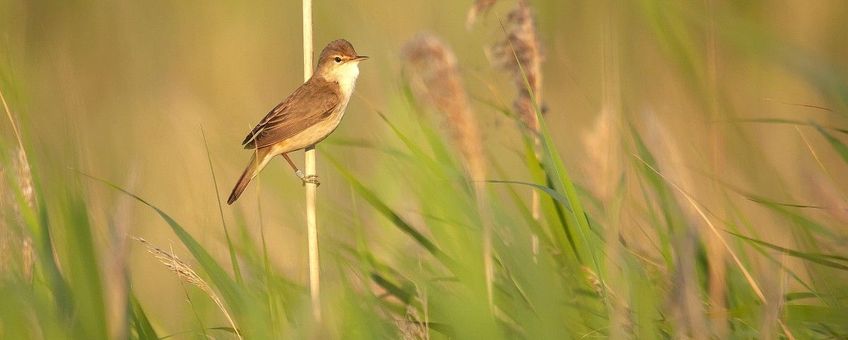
[[434, 77], [24, 176], [24, 182], [188, 275], [603, 161], [5, 232]]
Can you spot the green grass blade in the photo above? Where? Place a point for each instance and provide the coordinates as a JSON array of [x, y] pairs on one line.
[[139, 322], [81, 264], [837, 145], [233, 257], [822, 259], [218, 276], [386, 211]]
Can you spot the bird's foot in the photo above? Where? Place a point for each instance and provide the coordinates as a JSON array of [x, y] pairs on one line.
[[299, 174], [311, 179]]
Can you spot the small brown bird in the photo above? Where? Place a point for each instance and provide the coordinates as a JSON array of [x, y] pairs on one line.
[[307, 116]]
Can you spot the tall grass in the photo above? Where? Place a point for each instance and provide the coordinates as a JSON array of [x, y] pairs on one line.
[[430, 230]]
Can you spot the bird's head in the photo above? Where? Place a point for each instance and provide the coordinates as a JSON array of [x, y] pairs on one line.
[[339, 62]]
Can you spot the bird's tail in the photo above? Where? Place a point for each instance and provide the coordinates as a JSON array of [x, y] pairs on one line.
[[257, 162]]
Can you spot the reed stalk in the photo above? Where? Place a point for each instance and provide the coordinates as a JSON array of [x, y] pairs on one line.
[[311, 188]]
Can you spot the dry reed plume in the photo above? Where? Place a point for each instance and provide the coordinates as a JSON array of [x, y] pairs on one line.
[[520, 53], [479, 7], [434, 77], [187, 274]]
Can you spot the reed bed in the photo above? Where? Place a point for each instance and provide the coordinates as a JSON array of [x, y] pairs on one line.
[[674, 197]]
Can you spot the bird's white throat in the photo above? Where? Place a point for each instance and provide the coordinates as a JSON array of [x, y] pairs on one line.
[[345, 74]]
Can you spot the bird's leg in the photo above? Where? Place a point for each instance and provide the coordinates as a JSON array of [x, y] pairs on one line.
[[294, 167], [306, 179]]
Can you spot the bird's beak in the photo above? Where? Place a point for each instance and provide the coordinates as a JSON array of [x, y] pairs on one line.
[[360, 58]]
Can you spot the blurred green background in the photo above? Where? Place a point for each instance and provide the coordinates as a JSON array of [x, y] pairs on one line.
[[738, 102]]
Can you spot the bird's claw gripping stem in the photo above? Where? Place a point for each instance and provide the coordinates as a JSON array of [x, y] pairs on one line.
[[312, 179]]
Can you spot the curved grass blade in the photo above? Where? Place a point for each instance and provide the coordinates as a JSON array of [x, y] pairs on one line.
[[139, 321], [793, 216], [233, 257], [558, 174], [822, 259], [837, 145], [387, 212], [217, 275], [788, 121]]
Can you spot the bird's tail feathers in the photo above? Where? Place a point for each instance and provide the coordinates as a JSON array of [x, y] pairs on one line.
[[257, 162]]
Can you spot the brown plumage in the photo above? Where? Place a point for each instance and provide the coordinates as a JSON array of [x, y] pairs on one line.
[[309, 104], [305, 117]]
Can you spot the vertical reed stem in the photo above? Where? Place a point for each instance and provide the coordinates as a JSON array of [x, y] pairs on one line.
[[311, 188]]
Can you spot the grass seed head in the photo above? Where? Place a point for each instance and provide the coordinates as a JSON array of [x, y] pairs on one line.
[[184, 272], [172, 262]]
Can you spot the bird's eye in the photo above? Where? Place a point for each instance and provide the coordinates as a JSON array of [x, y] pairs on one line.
[[338, 59]]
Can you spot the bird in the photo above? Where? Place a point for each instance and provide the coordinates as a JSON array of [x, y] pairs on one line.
[[307, 116]]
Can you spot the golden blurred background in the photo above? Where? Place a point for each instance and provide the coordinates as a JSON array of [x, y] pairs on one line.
[[123, 90]]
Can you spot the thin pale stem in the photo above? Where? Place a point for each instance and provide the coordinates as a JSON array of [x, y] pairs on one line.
[[311, 188]]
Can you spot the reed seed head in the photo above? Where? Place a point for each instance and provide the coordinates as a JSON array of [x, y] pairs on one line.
[[479, 7], [520, 53], [435, 80]]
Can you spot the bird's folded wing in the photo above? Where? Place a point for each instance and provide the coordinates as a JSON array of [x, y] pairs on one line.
[[309, 104]]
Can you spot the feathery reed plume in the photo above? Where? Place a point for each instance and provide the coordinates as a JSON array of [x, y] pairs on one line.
[[520, 53], [479, 7], [185, 273], [434, 78]]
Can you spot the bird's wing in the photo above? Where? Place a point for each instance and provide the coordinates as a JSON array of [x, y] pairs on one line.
[[310, 103]]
